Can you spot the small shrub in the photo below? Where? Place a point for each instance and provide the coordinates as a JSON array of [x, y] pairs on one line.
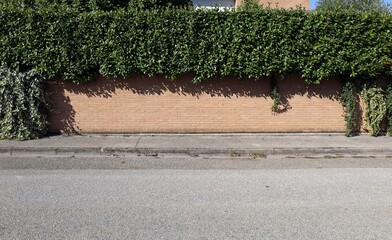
[[275, 96]]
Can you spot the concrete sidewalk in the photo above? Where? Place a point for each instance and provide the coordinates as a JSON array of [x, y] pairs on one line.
[[199, 144]]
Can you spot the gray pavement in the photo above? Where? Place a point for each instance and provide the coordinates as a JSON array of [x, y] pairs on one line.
[[199, 144], [245, 186], [192, 162], [349, 203]]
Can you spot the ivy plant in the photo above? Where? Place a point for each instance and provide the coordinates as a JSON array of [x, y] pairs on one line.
[[375, 108], [389, 109], [348, 99], [23, 105], [274, 93]]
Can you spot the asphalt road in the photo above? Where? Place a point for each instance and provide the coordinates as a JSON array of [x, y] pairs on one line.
[[328, 202], [194, 162]]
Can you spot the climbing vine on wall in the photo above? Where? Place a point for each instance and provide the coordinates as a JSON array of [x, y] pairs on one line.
[[274, 93], [348, 99], [375, 103], [23, 105], [389, 109]]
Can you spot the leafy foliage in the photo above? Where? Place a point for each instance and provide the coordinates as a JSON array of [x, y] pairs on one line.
[[375, 108], [275, 97], [77, 40], [389, 107], [90, 5], [349, 101], [78, 45], [361, 5], [22, 105]]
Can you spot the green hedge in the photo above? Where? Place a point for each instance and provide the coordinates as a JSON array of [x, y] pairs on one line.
[[79, 42], [104, 5], [75, 45]]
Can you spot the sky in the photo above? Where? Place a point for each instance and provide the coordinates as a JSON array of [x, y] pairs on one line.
[[313, 3]]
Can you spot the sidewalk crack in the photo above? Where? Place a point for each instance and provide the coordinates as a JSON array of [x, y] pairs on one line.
[[137, 143]]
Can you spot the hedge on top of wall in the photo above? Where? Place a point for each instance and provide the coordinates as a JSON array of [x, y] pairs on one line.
[[62, 41], [104, 5], [78, 42]]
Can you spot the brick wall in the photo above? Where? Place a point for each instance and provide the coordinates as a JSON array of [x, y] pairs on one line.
[[143, 104]]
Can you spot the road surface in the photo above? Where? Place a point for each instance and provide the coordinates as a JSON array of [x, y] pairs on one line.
[[324, 198]]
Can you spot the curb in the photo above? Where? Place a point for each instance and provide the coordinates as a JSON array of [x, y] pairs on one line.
[[107, 151]]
